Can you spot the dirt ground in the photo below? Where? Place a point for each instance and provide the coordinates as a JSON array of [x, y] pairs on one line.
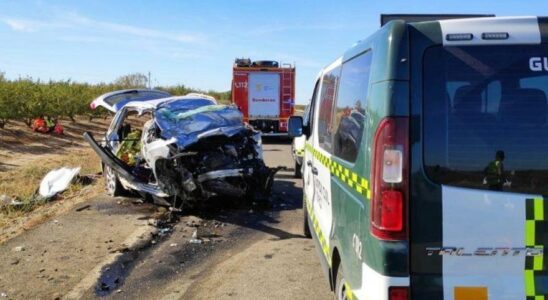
[[26, 156]]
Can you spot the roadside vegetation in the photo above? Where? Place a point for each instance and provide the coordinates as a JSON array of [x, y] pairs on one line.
[[27, 156], [26, 98]]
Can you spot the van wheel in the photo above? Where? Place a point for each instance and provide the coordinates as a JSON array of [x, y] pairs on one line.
[[306, 228], [340, 285], [113, 186], [298, 173]]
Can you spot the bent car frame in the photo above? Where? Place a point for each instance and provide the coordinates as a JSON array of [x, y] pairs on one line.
[[181, 150]]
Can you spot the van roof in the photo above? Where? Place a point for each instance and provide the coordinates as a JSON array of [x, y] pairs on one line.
[[391, 40]]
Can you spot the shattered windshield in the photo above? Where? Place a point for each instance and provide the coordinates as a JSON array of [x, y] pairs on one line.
[[185, 123]]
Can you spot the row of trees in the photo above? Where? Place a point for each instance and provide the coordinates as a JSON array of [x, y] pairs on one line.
[[25, 98]]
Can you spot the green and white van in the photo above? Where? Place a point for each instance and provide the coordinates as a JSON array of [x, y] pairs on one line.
[[426, 162]]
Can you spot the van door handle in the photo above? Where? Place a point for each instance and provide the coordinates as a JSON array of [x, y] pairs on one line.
[[309, 163], [314, 170]]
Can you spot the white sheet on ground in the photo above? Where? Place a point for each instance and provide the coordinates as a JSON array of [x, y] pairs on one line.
[[57, 181]]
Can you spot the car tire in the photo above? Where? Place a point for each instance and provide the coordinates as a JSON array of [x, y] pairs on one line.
[[298, 171], [340, 285], [306, 227], [112, 183]]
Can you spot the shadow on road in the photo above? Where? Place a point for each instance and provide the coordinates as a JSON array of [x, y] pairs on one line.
[[279, 140]]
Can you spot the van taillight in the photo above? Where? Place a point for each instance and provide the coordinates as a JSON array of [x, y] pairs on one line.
[[389, 178], [398, 293]]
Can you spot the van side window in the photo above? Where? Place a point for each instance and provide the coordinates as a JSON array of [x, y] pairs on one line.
[[308, 118], [330, 82], [350, 110]]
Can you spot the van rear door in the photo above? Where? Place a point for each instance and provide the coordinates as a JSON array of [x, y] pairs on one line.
[[478, 218]]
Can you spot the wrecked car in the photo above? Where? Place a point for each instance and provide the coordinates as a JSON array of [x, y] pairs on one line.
[[181, 150]]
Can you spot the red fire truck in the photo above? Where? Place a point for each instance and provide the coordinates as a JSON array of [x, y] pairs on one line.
[[265, 93]]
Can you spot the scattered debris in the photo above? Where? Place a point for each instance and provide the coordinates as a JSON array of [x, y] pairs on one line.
[[14, 261], [163, 231], [19, 249], [4, 295], [153, 222], [57, 181], [195, 239], [79, 209], [87, 179], [5, 200], [173, 245]]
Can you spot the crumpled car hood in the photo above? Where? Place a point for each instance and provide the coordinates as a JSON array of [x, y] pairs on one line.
[[189, 126]]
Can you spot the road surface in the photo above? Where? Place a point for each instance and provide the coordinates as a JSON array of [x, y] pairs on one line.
[[110, 249]]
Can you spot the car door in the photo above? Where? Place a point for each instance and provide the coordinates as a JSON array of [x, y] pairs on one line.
[[322, 149], [114, 101]]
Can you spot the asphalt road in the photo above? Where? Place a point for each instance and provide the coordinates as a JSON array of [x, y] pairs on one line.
[[111, 250]]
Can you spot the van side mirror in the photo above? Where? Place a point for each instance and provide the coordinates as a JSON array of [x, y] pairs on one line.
[[295, 126]]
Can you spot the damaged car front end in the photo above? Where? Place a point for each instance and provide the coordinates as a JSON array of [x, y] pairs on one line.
[[185, 150]]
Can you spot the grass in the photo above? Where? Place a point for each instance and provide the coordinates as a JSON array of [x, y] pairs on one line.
[[22, 182]]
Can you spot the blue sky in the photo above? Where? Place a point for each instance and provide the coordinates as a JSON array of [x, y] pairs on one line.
[[194, 42]]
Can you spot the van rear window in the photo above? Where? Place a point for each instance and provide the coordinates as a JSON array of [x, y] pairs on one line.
[[485, 113]]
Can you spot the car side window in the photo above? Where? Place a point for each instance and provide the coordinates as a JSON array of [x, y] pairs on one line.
[[327, 99], [349, 115]]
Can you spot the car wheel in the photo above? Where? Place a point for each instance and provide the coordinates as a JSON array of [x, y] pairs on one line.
[[306, 227], [340, 285], [113, 186], [298, 171]]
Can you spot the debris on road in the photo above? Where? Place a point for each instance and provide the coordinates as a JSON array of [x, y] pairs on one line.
[[195, 239], [79, 209], [19, 249], [57, 181]]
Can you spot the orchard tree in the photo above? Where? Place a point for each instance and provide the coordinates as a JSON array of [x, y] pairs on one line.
[[135, 80]]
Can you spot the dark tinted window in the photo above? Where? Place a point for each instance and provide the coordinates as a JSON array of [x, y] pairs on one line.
[[485, 117], [327, 102], [350, 110]]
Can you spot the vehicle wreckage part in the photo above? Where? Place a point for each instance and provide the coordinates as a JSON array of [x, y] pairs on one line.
[[121, 169], [223, 174], [156, 150], [221, 187]]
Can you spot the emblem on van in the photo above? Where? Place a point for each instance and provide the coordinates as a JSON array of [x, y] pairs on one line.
[[484, 251], [538, 64]]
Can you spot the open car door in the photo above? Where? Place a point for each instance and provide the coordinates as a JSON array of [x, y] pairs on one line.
[[113, 101]]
